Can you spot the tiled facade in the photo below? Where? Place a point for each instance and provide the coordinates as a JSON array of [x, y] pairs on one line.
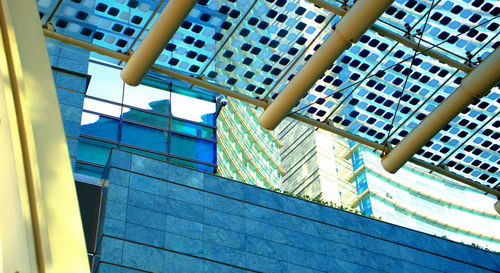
[[160, 217], [69, 68]]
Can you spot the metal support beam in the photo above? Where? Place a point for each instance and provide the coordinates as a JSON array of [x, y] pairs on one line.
[[474, 86], [348, 30], [399, 38], [225, 91], [164, 28]]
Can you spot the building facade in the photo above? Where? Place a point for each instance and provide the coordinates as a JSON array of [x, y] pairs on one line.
[[189, 236], [246, 152], [307, 158], [147, 120], [161, 217], [349, 174], [146, 214], [147, 202], [163, 121]]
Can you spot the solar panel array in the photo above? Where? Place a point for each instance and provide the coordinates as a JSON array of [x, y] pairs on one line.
[[378, 89]]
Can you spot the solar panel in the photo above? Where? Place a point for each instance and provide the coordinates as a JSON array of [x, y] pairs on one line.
[[378, 89]]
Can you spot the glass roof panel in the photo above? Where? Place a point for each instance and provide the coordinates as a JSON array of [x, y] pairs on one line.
[[377, 88], [268, 40], [474, 22]]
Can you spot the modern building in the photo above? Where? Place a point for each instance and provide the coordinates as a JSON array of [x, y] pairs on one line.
[[320, 164], [246, 152], [164, 121], [162, 217], [151, 120], [249, 153], [308, 158], [424, 201]]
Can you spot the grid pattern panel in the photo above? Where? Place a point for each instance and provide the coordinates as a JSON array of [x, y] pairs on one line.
[[377, 89]]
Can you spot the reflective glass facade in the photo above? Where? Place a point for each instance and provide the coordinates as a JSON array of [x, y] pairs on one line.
[[246, 152], [155, 122], [415, 198]]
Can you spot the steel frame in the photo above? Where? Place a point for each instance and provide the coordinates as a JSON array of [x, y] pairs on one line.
[[258, 103]]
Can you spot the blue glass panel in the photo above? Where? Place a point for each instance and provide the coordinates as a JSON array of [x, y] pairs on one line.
[[144, 117], [192, 129], [94, 151], [357, 160], [193, 109], [361, 184], [101, 107], [368, 211], [140, 136], [361, 187], [148, 98], [105, 128], [105, 83], [365, 205], [193, 148]]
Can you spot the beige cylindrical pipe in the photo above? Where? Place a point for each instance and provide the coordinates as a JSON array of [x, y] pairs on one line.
[[475, 85], [348, 30], [431, 52], [169, 20]]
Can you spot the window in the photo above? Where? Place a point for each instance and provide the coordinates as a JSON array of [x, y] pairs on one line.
[[141, 120], [144, 137]]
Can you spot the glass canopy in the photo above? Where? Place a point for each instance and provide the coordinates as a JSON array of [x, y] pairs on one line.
[[378, 89]]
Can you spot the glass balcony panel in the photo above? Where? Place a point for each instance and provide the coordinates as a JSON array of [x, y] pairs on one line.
[[194, 165], [102, 107], [105, 83], [193, 109], [145, 153], [156, 100]]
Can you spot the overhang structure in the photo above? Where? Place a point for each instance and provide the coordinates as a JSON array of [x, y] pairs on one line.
[[378, 90]]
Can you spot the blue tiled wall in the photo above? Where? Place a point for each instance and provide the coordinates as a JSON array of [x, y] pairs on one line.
[[70, 66], [159, 217]]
